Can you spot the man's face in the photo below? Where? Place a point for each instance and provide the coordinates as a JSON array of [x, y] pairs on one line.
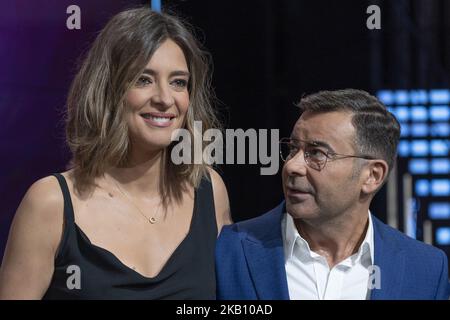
[[313, 194]]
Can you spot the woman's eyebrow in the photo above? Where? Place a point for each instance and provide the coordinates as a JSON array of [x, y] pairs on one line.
[[152, 72]]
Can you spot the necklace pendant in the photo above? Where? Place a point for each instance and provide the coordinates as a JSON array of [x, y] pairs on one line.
[[152, 220]]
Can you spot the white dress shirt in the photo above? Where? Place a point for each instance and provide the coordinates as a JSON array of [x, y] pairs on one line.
[[309, 276]]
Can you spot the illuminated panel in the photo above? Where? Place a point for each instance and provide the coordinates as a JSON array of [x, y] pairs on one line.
[[443, 236], [440, 113], [440, 187], [438, 96], [403, 148], [441, 129], [440, 166], [418, 96], [419, 148], [424, 116], [156, 5], [419, 113], [404, 132], [439, 147], [402, 113], [419, 130], [386, 96], [401, 97], [422, 187], [439, 210], [419, 166]]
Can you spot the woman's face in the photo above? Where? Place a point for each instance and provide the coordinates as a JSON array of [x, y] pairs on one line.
[[158, 102]]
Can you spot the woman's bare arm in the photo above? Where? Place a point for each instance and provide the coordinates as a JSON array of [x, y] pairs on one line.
[[221, 201], [35, 233]]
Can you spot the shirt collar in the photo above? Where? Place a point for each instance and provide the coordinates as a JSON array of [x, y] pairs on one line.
[[291, 238]]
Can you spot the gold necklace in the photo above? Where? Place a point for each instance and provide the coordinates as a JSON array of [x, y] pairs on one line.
[[152, 219]]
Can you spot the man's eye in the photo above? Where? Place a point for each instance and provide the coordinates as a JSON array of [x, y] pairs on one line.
[[316, 153], [142, 81], [293, 150]]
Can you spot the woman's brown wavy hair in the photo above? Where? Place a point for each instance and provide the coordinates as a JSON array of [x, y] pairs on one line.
[[96, 130]]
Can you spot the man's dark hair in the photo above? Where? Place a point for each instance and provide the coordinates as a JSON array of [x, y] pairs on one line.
[[377, 130]]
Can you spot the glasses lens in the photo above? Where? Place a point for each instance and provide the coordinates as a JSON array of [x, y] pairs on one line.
[[315, 157], [284, 150]]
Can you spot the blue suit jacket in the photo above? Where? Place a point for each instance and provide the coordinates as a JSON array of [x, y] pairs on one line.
[[250, 262]]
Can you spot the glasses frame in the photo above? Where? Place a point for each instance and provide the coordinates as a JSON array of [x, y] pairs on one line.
[[329, 156]]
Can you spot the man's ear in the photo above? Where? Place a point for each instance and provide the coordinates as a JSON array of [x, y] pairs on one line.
[[375, 174]]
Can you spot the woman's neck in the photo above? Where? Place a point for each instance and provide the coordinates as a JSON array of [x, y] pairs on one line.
[[140, 175]]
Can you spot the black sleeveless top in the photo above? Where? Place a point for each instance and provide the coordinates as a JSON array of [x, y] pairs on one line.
[[85, 271]]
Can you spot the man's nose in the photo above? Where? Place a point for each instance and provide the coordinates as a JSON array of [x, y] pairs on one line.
[[163, 96], [296, 165]]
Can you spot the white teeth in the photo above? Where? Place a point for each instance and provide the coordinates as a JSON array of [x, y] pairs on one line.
[[160, 119]]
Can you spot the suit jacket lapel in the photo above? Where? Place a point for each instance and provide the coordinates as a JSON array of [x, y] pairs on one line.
[[390, 260], [265, 257]]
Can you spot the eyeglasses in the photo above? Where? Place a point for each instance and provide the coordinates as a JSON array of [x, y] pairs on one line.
[[315, 155]]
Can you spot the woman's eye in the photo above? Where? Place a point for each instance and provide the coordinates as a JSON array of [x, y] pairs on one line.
[[142, 81], [180, 83]]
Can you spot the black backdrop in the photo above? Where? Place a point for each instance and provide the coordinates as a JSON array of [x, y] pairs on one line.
[[267, 54]]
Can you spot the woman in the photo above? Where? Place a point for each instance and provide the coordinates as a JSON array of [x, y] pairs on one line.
[[125, 222]]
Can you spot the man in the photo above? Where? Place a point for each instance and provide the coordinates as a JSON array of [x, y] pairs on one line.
[[322, 242]]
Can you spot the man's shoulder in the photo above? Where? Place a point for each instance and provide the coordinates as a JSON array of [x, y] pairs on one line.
[[406, 243], [259, 226]]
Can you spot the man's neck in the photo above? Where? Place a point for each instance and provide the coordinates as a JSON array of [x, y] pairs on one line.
[[335, 239]]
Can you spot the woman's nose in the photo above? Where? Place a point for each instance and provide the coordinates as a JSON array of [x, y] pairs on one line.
[[163, 97]]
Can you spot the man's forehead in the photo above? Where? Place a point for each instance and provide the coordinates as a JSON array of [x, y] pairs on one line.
[[335, 128]]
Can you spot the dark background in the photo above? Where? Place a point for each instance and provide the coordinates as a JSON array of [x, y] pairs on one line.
[[266, 53]]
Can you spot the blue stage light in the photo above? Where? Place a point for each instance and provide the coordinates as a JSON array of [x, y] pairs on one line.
[[402, 113], [440, 187], [440, 166], [419, 166], [443, 236], [419, 130], [439, 147], [419, 113], [439, 96], [403, 148], [401, 97], [404, 132], [386, 96], [156, 5], [418, 96], [422, 187], [419, 148], [440, 113], [441, 129], [439, 210]]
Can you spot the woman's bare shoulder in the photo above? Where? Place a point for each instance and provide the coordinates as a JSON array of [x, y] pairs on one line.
[[43, 204], [221, 201], [33, 240], [44, 192]]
